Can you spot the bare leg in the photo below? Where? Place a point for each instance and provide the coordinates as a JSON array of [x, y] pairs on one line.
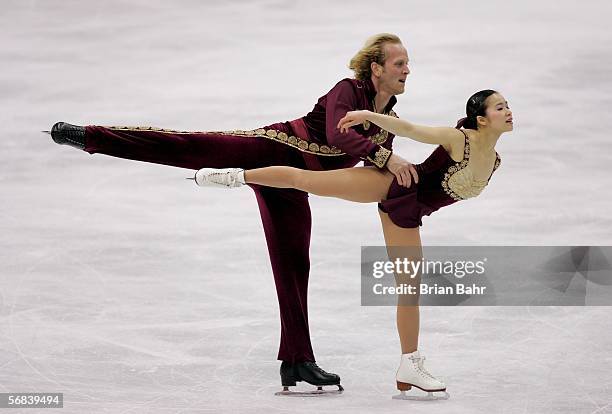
[[359, 184], [407, 316]]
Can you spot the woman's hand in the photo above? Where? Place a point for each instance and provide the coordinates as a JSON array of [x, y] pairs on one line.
[[352, 118]]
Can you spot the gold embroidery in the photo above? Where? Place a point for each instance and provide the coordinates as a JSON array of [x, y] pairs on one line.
[[381, 136], [148, 128], [458, 181], [291, 140], [380, 157], [464, 185]]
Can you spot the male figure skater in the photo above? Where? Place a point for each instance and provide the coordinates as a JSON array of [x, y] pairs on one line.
[[311, 142]]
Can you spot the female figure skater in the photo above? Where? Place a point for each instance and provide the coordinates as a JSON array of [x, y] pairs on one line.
[[459, 168]]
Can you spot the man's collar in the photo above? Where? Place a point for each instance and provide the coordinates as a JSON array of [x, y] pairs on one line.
[[371, 94], [391, 104], [370, 90]]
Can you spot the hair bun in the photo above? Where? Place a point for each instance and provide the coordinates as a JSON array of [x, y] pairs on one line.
[[461, 122]]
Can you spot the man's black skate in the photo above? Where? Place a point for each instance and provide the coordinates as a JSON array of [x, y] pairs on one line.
[[309, 372], [67, 134]]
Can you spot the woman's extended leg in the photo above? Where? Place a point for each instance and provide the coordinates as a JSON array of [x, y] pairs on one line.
[[359, 184]]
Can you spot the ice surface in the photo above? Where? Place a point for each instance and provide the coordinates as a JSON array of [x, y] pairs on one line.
[[130, 290]]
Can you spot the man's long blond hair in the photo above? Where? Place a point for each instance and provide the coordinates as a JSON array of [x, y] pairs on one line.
[[372, 51]]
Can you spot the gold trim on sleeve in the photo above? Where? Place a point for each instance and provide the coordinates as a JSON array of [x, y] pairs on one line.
[[380, 157]]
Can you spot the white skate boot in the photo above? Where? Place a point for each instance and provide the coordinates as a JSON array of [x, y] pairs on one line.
[[220, 177], [412, 373]]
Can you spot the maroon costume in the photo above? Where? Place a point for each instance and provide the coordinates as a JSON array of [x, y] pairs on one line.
[[312, 142], [406, 206]]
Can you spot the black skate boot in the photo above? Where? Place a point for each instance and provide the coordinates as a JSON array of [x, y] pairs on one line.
[[309, 372], [68, 134]]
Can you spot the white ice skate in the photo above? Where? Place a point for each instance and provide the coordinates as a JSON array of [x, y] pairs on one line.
[[412, 373], [220, 177]]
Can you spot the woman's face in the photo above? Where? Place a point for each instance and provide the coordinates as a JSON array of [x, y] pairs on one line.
[[499, 115]]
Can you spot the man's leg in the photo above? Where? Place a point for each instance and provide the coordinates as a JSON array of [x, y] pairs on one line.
[[191, 150], [285, 214]]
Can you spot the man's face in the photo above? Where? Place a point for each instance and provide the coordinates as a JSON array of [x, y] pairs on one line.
[[393, 73]]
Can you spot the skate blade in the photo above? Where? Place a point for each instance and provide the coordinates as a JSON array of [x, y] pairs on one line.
[[315, 393], [419, 397]]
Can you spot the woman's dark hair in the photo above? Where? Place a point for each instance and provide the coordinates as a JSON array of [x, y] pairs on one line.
[[476, 106]]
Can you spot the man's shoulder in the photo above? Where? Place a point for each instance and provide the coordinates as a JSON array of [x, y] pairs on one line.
[[356, 83], [350, 84]]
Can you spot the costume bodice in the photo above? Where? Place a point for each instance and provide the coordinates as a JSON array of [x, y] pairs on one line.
[[459, 181], [442, 181]]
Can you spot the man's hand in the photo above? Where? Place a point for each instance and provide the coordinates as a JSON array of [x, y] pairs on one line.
[[403, 170]]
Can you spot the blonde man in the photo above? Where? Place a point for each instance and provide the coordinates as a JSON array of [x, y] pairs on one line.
[[312, 142]]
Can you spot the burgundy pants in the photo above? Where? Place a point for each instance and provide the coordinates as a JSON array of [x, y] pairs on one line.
[[285, 212]]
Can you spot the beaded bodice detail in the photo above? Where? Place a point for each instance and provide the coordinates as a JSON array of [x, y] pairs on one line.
[[459, 182]]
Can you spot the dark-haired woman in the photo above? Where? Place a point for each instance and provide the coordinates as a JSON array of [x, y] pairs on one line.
[[458, 169]]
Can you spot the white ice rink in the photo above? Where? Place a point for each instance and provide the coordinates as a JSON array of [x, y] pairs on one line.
[[130, 290]]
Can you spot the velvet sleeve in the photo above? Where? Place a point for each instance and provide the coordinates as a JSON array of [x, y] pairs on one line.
[[341, 99]]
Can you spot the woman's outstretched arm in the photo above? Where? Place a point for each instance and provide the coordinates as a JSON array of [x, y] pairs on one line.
[[358, 184], [429, 135]]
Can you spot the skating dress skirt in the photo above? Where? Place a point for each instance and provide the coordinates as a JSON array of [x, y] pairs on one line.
[[442, 181]]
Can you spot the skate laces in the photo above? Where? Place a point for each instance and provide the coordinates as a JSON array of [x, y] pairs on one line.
[[317, 368], [223, 177], [421, 368], [227, 178]]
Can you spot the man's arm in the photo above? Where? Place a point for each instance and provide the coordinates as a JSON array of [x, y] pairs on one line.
[[340, 100]]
